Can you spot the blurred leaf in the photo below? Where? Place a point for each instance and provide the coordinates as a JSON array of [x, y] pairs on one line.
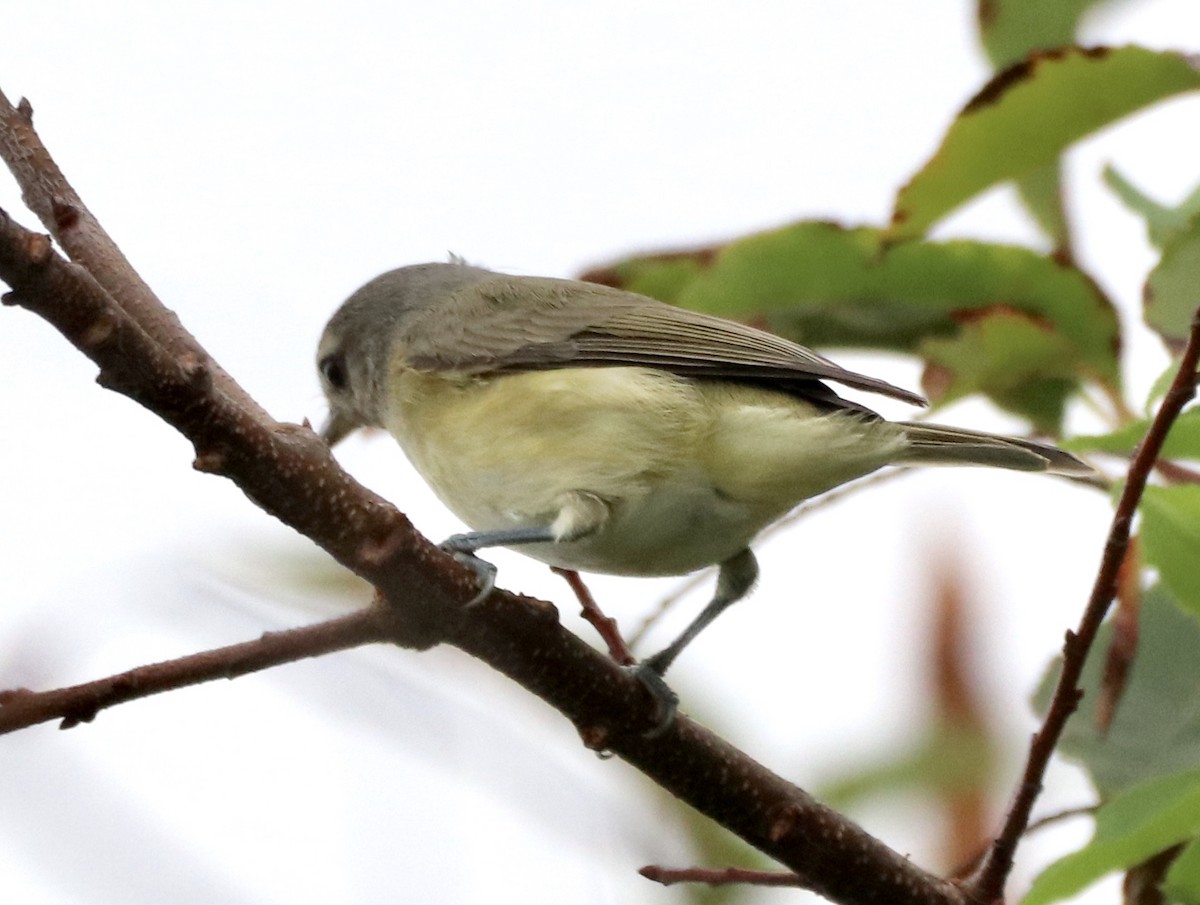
[[661, 276], [1171, 540], [1156, 730], [1011, 29], [715, 846], [1027, 115], [1120, 442], [1019, 362], [1125, 621], [953, 765], [824, 285], [1158, 390], [1040, 191], [1172, 292], [1162, 223], [1143, 882], [1183, 879], [1131, 828], [947, 760], [962, 723], [711, 844], [1183, 442]]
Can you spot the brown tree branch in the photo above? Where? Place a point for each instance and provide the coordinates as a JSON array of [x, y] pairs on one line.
[[714, 876], [21, 708], [987, 885], [47, 193], [288, 472]]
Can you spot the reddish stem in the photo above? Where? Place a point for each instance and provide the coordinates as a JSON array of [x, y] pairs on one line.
[[987, 885]]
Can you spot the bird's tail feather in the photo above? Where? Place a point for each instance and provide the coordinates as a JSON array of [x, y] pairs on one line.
[[935, 444]]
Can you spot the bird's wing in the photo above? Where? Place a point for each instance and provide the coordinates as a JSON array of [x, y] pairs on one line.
[[540, 323]]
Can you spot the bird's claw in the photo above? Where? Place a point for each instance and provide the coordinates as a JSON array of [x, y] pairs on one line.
[[458, 547], [666, 701]]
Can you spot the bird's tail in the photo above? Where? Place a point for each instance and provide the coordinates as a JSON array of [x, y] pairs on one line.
[[935, 444]]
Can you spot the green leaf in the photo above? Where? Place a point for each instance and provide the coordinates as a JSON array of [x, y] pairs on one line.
[[824, 285], [1132, 827], [1027, 115], [1011, 29], [1171, 540], [1120, 442], [1182, 883], [1156, 729], [1160, 387], [1183, 442], [1163, 223], [1172, 292], [1016, 360], [1041, 193]]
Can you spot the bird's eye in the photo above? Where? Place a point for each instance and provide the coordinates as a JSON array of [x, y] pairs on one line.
[[333, 369]]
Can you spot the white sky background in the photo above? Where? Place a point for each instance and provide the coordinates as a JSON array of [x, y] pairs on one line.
[[259, 161]]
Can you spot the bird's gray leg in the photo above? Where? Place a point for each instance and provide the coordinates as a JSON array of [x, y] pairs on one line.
[[463, 546], [737, 576], [579, 514]]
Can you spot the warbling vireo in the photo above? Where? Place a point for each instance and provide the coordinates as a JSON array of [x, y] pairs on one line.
[[604, 431]]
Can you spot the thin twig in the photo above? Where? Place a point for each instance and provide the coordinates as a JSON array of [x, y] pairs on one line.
[[1041, 823], [21, 708], [987, 885], [968, 866], [1176, 473], [728, 876]]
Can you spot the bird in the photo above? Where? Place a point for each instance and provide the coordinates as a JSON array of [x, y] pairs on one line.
[[599, 430]]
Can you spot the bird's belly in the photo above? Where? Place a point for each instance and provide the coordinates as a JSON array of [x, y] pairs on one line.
[[677, 525]]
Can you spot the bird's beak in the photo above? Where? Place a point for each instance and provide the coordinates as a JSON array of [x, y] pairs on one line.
[[336, 427]]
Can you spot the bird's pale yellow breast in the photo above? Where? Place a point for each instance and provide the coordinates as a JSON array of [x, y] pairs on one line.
[[500, 450]]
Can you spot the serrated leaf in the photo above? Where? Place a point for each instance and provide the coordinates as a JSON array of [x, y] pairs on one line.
[[1182, 882], [1027, 115], [1163, 223], [1132, 827], [1171, 540], [1156, 729], [1183, 442], [1172, 292], [824, 285]]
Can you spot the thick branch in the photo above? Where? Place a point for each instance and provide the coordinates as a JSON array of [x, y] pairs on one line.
[[988, 883]]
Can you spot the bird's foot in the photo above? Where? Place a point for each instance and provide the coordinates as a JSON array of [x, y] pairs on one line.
[[666, 701], [462, 547]]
